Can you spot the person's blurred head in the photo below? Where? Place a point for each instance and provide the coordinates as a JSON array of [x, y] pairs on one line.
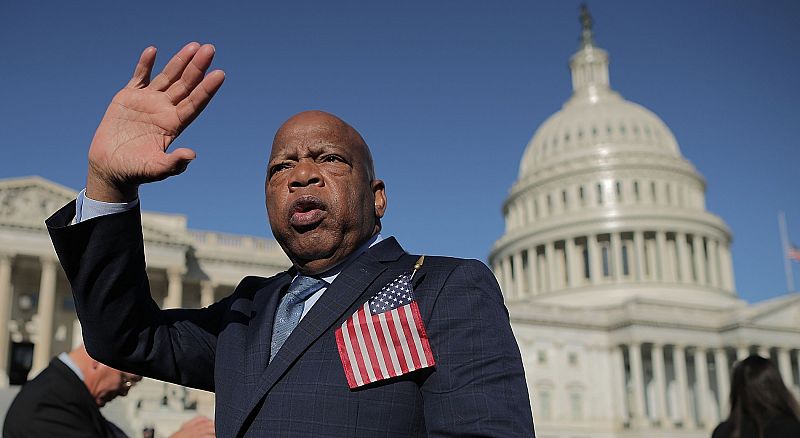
[[102, 381], [758, 394]]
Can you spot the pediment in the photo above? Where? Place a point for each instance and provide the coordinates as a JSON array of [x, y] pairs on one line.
[[781, 312], [27, 202]]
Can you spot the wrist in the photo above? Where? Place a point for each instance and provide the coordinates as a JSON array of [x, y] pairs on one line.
[[100, 189]]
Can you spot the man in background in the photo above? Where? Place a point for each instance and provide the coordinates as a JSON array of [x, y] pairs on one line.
[[64, 400]]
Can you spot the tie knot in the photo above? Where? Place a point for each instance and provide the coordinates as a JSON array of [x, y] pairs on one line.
[[303, 287]]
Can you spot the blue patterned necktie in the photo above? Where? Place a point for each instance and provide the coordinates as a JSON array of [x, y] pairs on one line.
[[291, 308]]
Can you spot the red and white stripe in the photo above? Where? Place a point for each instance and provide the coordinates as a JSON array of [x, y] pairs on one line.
[[382, 346]]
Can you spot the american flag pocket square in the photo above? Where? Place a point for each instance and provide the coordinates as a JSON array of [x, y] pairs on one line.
[[385, 338]]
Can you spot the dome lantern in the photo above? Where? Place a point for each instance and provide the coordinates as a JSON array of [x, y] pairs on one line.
[[589, 65]]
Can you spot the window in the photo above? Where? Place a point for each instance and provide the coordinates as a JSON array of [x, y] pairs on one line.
[[599, 193], [618, 188], [549, 205], [581, 195], [653, 191], [585, 262], [564, 198], [625, 269], [606, 259], [545, 411], [576, 405], [636, 191], [541, 357], [572, 358]]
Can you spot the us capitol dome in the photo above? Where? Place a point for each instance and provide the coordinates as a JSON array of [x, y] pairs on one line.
[[606, 207], [619, 282]]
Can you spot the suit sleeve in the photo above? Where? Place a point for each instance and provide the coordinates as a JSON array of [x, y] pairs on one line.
[[478, 387], [123, 327]]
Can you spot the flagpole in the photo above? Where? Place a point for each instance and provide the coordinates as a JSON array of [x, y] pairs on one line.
[[787, 264]]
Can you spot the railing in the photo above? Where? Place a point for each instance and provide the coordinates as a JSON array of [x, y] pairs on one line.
[[212, 238]]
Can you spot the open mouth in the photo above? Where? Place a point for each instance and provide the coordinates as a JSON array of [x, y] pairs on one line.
[[306, 212]]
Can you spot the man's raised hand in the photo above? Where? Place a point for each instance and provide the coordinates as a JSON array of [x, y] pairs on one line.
[[130, 145]]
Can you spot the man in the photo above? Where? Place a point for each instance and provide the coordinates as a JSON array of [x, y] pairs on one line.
[[64, 400], [273, 375]]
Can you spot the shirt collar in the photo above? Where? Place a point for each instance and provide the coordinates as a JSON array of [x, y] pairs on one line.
[[331, 274], [64, 357]]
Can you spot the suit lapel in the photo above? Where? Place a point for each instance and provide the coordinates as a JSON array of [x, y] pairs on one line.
[[351, 284], [259, 333]]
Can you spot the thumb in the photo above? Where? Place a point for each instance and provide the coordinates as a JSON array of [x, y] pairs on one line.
[[178, 160]]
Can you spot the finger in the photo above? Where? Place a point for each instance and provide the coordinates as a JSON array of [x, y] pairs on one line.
[[171, 164], [141, 74], [188, 109], [174, 68], [192, 74]]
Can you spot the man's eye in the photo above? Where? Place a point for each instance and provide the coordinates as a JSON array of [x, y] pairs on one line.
[[332, 159], [277, 168]]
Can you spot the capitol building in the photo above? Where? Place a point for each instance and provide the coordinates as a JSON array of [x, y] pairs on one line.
[[619, 282]]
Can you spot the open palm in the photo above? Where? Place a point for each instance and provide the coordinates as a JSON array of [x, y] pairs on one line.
[[130, 145]]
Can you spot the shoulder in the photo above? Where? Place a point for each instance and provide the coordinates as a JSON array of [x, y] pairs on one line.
[[783, 426], [723, 430], [53, 386], [462, 274]]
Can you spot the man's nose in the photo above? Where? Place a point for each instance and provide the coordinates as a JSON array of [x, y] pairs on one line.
[[305, 173]]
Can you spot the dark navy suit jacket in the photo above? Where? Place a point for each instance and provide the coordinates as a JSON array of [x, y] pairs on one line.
[[477, 387], [56, 404]]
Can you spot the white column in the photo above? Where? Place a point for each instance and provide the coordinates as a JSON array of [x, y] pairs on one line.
[[726, 267], [702, 387], [620, 392], [616, 248], [723, 380], [797, 360], [6, 293], [699, 258], [541, 270], [638, 255], [637, 376], [533, 288], [684, 259], [44, 316], [206, 293], [713, 263], [550, 256], [595, 266], [660, 265], [174, 298], [785, 366], [742, 352], [763, 351], [519, 275], [660, 377], [573, 279], [681, 379], [507, 284]]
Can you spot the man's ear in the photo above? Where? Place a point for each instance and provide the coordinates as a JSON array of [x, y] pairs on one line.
[[379, 192]]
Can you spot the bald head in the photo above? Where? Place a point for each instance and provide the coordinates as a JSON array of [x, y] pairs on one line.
[[316, 123]]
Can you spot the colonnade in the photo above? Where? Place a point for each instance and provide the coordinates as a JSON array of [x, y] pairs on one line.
[[47, 305], [682, 386], [642, 255]]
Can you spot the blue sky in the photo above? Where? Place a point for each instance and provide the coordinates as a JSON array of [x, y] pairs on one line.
[[447, 93]]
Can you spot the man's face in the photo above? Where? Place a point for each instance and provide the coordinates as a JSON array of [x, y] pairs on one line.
[[112, 383], [322, 199]]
